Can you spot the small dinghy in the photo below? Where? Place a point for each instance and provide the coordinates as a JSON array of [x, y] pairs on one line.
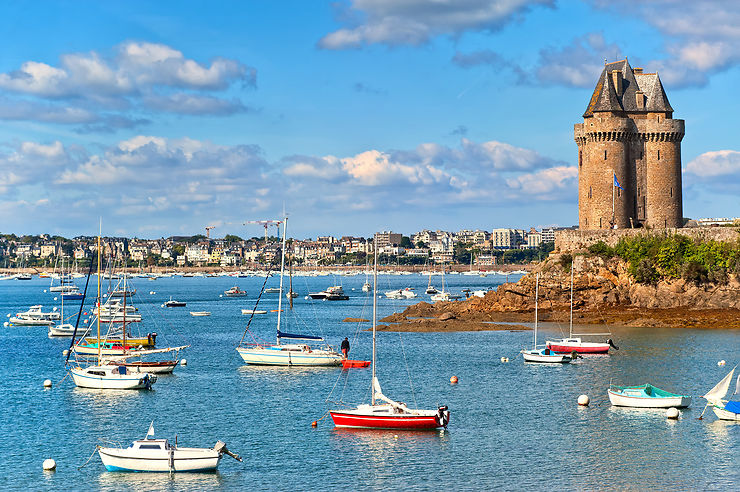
[[253, 311], [646, 396], [200, 313], [159, 455], [346, 363]]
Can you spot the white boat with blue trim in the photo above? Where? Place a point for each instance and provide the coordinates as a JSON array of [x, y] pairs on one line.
[[722, 408], [312, 351]]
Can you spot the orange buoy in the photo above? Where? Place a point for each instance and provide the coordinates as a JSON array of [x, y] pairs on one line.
[[453, 380], [314, 424]]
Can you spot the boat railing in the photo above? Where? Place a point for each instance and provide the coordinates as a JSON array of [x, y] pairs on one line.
[[111, 444]]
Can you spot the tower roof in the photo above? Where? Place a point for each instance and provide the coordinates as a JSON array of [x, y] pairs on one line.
[[606, 98]]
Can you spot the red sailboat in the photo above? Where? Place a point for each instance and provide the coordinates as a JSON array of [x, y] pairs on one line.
[[382, 412]]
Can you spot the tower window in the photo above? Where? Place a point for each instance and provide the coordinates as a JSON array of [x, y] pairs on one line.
[[671, 192], [580, 158], [658, 155], [586, 220], [589, 191], [599, 222], [619, 191], [638, 191], [605, 155], [665, 223]]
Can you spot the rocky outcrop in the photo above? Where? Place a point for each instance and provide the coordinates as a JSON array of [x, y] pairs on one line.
[[603, 292]]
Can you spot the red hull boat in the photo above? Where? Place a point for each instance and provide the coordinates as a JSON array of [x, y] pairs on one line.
[[346, 363], [374, 419]]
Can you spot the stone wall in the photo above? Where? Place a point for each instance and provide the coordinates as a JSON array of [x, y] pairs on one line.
[[572, 240]]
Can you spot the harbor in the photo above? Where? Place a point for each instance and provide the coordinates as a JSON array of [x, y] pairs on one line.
[[512, 424]]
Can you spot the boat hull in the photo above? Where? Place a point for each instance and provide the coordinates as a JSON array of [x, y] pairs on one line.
[[723, 414], [358, 420], [619, 400], [182, 460], [578, 347], [158, 367], [86, 378], [274, 355], [537, 356]]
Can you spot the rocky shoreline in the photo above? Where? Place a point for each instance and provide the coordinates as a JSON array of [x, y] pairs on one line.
[[603, 293]]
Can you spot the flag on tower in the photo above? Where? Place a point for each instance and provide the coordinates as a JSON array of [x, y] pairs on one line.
[[616, 183]]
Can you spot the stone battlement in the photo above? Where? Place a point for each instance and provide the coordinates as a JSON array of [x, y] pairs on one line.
[[567, 241]]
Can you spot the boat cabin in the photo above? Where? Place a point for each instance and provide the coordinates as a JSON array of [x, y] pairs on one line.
[[151, 444]]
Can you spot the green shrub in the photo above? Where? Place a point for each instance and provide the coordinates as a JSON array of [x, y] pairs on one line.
[[601, 249]]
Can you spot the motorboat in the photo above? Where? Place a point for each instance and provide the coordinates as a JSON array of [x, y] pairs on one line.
[[723, 408], [63, 330], [36, 313], [159, 455], [335, 291], [235, 292], [542, 355], [646, 396], [172, 303]]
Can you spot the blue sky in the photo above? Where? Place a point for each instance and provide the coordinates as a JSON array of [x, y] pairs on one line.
[[356, 116]]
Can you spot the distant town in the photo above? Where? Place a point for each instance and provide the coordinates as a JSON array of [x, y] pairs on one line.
[[465, 247]]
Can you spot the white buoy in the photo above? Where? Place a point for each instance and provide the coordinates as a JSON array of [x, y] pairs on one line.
[[47, 383], [49, 464], [55, 308], [5, 324], [671, 413], [504, 359], [184, 362], [583, 400], [8, 315], [65, 352], [55, 298], [44, 291], [151, 292], [395, 436], [721, 363], [220, 295]]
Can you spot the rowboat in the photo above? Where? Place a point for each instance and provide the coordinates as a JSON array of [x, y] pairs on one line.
[[200, 313], [253, 311], [235, 292], [646, 396], [347, 363]]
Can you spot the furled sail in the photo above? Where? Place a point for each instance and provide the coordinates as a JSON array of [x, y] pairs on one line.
[[281, 334]]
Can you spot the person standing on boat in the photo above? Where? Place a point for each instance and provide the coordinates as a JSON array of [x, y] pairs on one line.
[[345, 347]]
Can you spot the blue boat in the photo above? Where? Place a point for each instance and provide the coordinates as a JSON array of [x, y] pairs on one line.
[[646, 396]]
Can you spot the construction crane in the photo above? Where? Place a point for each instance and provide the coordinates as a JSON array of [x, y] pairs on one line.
[[265, 224], [208, 231]]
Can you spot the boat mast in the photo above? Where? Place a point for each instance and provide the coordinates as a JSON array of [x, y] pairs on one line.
[[98, 299], [282, 270], [570, 330], [375, 308], [536, 298]]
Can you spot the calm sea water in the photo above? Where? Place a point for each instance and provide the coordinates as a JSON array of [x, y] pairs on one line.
[[513, 425]]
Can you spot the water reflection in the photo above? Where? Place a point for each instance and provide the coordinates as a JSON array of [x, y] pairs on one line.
[[382, 444], [159, 481]]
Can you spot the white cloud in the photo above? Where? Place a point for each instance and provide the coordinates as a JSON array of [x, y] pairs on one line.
[[577, 64], [715, 164], [396, 22], [548, 184], [138, 77]]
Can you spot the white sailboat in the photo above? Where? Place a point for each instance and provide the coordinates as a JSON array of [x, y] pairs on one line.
[[576, 344], [382, 412], [314, 352], [722, 408], [443, 295], [543, 355], [107, 376]]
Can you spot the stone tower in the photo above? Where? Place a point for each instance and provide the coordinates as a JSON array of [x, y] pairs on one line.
[[628, 132]]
